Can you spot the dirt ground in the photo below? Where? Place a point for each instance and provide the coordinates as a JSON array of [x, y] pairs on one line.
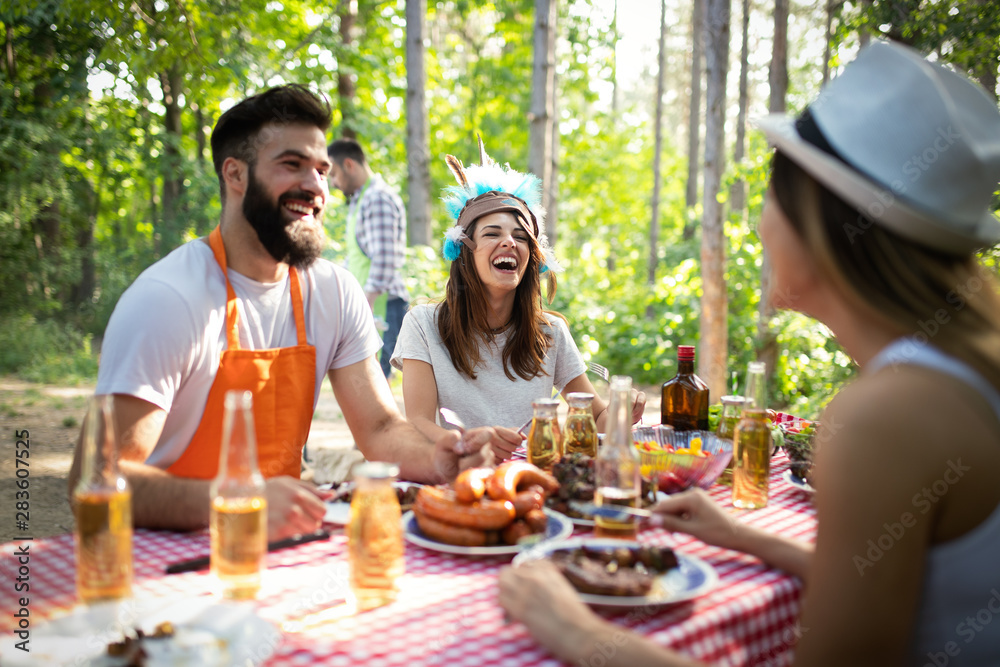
[[52, 416]]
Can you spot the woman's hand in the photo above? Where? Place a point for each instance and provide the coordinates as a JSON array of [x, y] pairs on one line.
[[638, 405], [502, 441], [695, 513], [537, 595]]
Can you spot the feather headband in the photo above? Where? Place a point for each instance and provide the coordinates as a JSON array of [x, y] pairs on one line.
[[490, 188]]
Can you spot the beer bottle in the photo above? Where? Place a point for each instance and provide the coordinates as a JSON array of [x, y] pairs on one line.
[[684, 398], [375, 536], [752, 445], [238, 524], [617, 466], [102, 507]]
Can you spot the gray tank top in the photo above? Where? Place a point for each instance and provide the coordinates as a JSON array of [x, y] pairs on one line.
[[958, 621]]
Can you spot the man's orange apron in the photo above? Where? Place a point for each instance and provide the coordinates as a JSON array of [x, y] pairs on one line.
[[282, 380]]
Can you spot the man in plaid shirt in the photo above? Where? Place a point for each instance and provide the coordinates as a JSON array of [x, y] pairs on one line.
[[376, 238]]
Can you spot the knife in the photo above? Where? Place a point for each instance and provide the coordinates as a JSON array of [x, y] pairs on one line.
[[203, 562], [614, 512]]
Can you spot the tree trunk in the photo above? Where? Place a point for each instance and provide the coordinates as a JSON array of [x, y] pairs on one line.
[[985, 70], [346, 90], [694, 111], [83, 291], [614, 65], [199, 135], [173, 180], [417, 127], [864, 35], [737, 193], [654, 222], [543, 72], [767, 340], [828, 38], [712, 356], [552, 193], [11, 62]]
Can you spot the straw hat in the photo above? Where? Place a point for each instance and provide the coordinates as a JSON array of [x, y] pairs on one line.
[[910, 143]]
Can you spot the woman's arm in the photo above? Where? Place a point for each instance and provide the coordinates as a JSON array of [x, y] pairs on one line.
[[600, 406], [420, 396]]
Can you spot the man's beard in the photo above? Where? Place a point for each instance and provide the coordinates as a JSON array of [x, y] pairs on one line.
[[293, 243]]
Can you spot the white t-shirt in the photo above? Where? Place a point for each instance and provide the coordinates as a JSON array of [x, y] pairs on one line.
[[167, 332], [492, 399]]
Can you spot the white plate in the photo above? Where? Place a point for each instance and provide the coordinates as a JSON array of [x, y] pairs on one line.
[[207, 634], [799, 484], [558, 528], [692, 576], [339, 512]]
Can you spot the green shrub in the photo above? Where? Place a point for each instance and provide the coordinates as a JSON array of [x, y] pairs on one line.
[[46, 351]]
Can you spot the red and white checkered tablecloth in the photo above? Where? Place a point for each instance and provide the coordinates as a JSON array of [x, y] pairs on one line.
[[447, 612]]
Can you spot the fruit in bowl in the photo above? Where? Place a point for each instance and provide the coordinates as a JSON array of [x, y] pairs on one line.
[[683, 459]]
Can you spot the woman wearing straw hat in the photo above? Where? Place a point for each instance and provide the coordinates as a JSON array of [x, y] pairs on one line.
[[489, 349], [885, 184]]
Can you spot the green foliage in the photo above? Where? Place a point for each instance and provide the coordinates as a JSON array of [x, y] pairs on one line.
[[45, 351]]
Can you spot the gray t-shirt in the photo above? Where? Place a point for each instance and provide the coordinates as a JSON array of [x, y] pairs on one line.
[[492, 399]]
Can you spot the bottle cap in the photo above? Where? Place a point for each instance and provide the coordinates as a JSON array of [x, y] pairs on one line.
[[685, 352]]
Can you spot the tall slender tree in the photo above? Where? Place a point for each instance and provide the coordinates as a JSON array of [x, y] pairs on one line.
[[418, 211], [694, 111], [737, 192], [712, 357], [654, 220], [347, 13], [542, 86], [767, 341]]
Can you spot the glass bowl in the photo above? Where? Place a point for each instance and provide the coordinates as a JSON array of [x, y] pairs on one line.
[[675, 472]]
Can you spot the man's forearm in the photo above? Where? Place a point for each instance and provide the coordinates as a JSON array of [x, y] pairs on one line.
[[161, 500], [402, 443]]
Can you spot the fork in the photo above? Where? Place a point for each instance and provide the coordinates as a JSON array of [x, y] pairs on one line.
[[599, 370]]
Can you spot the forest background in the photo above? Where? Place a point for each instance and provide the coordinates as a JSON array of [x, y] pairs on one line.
[[635, 113]]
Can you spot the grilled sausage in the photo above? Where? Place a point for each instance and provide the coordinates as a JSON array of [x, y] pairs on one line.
[[512, 475], [470, 485], [440, 503], [449, 533]]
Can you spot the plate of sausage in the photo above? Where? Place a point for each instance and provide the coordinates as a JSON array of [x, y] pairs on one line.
[[557, 527], [617, 573], [487, 512]]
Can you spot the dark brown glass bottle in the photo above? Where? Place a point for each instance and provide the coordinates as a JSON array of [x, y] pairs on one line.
[[684, 402]]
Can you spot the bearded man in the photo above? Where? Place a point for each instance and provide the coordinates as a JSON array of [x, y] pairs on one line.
[[253, 308]]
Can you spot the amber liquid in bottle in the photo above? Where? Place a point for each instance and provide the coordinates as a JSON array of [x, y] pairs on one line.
[[616, 469], [375, 537], [684, 397], [544, 437], [751, 460], [238, 531], [581, 431], [103, 545], [605, 527]]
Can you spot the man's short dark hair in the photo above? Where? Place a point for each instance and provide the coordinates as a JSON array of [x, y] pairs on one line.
[[237, 131], [341, 149]]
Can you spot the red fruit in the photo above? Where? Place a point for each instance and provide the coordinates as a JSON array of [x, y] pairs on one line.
[[668, 482]]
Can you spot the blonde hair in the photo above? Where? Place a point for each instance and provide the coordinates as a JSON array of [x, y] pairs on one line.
[[950, 301]]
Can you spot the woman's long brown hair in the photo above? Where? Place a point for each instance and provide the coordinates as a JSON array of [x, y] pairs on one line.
[[464, 325], [949, 301]]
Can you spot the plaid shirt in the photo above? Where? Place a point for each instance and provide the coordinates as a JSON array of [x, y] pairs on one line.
[[381, 235]]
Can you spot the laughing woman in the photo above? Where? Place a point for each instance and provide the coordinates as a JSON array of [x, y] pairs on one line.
[[489, 349]]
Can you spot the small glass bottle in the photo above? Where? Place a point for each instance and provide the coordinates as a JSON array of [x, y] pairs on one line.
[[684, 397], [238, 524], [375, 536], [544, 439], [580, 433], [102, 506], [617, 468], [752, 445], [732, 410]]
